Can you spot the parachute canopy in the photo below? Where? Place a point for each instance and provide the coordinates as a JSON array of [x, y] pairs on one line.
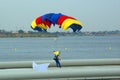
[[42, 23]]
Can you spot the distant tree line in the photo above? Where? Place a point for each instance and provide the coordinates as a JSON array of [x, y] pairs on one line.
[[22, 33]]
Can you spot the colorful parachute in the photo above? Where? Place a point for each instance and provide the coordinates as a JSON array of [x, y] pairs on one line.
[[42, 23]]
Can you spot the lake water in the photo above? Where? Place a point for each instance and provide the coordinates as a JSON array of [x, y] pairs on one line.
[[76, 47]]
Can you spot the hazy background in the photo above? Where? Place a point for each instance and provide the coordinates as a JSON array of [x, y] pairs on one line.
[[96, 15]]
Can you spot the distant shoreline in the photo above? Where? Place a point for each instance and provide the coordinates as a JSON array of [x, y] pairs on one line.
[[21, 35], [18, 35], [4, 34]]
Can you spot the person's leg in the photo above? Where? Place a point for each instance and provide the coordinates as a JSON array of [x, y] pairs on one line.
[[59, 65]]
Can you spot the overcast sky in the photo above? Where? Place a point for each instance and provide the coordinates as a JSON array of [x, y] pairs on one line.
[[96, 15]]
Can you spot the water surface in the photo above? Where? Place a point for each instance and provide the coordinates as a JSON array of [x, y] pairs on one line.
[[76, 47]]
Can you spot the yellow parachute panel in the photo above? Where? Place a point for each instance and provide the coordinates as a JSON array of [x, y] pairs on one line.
[[42, 26], [33, 24], [68, 22]]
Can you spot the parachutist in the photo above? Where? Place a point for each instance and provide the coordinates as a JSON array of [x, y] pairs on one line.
[[57, 58]]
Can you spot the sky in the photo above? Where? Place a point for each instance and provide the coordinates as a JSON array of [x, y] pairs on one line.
[[96, 15]]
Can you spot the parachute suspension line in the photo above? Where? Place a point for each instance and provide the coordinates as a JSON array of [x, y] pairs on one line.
[[55, 43]]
